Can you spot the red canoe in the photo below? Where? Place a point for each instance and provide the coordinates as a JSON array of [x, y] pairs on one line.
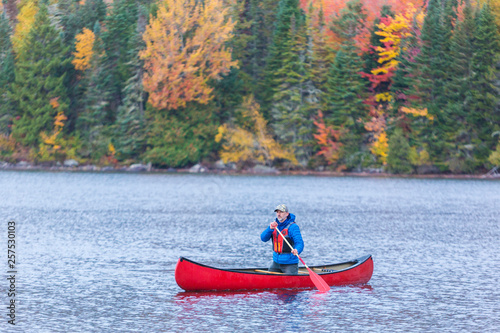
[[192, 276]]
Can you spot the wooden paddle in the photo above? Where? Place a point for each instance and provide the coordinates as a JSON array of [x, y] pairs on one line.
[[316, 279]]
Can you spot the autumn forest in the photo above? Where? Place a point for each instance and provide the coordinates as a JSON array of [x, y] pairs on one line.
[[400, 86]]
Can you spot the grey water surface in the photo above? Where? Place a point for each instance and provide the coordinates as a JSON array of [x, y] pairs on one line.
[[96, 252]]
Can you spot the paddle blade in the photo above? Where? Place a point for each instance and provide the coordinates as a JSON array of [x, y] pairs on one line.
[[318, 281]]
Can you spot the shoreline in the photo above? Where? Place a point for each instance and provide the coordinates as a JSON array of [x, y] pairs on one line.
[[197, 169]]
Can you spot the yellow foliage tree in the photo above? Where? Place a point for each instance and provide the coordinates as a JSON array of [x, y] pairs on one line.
[[392, 31], [185, 48], [84, 49], [376, 126], [380, 147], [54, 146], [494, 157], [417, 112], [254, 144], [26, 19]]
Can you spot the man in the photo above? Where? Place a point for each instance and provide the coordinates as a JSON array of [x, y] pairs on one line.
[[285, 259]]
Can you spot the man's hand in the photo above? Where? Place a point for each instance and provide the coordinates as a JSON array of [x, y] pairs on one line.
[[273, 225], [295, 252]]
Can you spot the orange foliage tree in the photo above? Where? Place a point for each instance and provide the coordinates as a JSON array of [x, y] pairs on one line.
[[185, 48], [328, 139]]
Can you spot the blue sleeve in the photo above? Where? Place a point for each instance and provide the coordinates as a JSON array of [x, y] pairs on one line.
[[298, 243], [266, 234]]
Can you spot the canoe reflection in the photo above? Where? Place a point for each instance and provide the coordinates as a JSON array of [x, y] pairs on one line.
[[284, 295]]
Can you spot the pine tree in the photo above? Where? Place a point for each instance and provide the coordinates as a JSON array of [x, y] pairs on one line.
[[40, 77], [431, 76], [100, 87], [130, 126], [482, 109], [406, 74], [180, 137], [118, 37], [460, 157], [76, 16], [289, 13], [398, 158], [6, 74], [252, 38], [295, 96], [431, 58], [321, 53], [346, 89]]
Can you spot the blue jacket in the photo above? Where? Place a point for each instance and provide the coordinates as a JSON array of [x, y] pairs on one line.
[[294, 233]]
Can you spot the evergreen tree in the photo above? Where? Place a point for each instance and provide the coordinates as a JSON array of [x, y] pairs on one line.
[[346, 89], [118, 37], [431, 76], [101, 87], [289, 13], [398, 159], [459, 140], [6, 74], [229, 91], [39, 90], [251, 42], [180, 137], [406, 74], [431, 59], [91, 99], [295, 97], [322, 55], [76, 16], [482, 109], [130, 126]]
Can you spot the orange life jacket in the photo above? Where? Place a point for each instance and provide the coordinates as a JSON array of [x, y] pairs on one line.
[[279, 245]]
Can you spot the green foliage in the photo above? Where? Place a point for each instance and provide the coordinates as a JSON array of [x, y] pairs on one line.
[[6, 74], [40, 78], [118, 38], [482, 102], [351, 21], [460, 147], [494, 157], [75, 17], [398, 156], [346, 106], [295, 97], [130, 125], [346, 89], [181, 137], [445, 87], [252, 37], [289, 18], [321, 54]]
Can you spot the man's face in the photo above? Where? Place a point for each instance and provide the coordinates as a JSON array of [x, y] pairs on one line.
[[281, 215]]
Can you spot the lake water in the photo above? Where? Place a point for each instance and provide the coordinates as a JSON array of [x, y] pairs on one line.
[[97, 252]]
